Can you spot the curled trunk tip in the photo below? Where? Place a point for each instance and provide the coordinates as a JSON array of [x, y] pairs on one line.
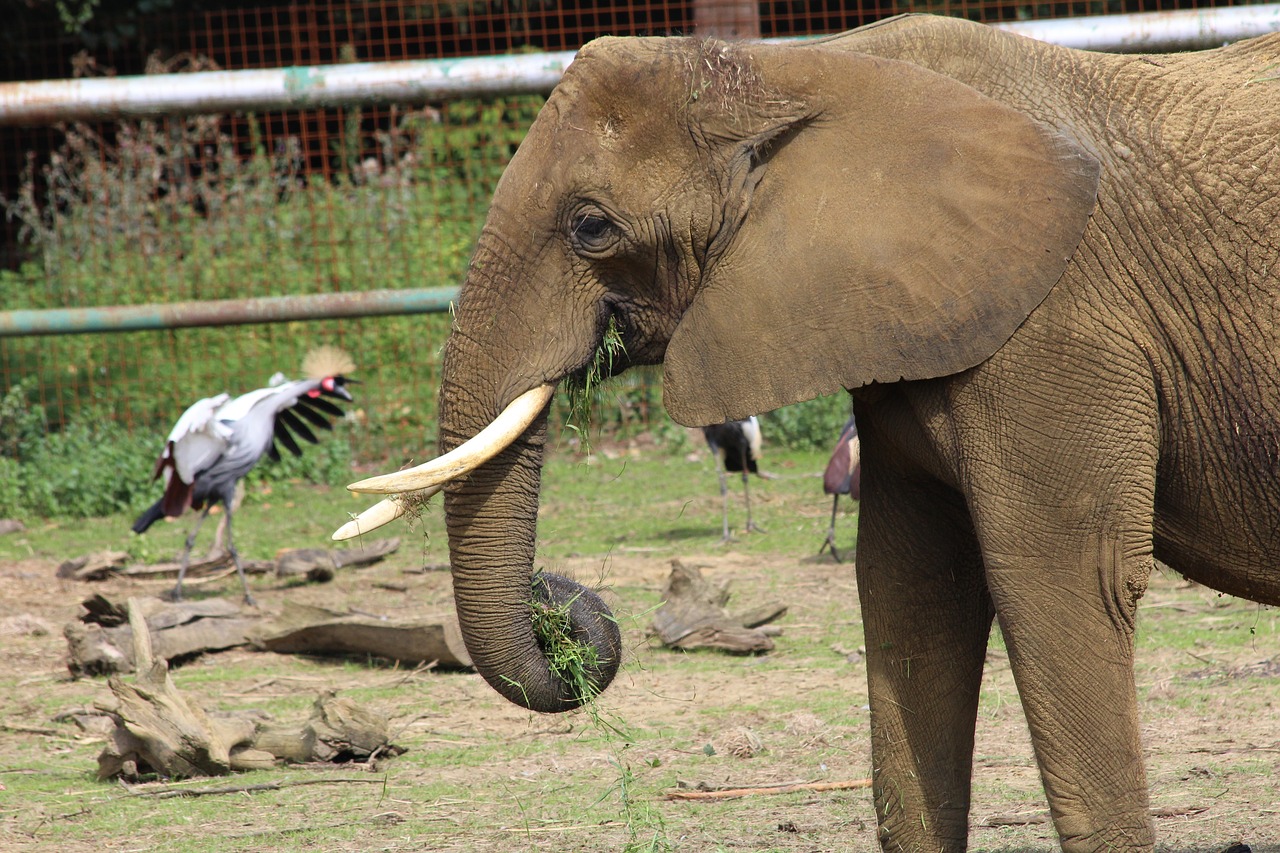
[[579, 638]]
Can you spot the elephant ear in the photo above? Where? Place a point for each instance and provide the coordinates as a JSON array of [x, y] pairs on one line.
[[903, 229]]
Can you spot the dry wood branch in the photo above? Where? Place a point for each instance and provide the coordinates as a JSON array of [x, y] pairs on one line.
[[1031, 819], [693, 615], [170, 792], [734, 793], [158, 731]]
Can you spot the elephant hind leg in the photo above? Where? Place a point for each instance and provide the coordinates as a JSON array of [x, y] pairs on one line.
[[924, 674]]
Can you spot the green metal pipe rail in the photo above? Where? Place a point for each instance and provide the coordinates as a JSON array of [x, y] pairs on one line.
[[224, 312]]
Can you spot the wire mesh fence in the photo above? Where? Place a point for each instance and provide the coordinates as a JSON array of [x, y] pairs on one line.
[[305, 201]]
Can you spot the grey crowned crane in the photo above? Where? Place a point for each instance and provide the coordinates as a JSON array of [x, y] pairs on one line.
[[736, 446], [218, 440], [842, 477]]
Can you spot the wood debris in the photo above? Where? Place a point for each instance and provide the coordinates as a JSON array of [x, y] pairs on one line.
[[94, 566], [159, 731], [315, 630], [101, 642], [321, 564], [693, 616], [763, 790]]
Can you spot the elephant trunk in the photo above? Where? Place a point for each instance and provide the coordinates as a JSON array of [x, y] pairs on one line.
[[541, 640]]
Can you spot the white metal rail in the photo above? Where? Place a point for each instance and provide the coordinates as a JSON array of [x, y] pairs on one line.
[[418, 81]]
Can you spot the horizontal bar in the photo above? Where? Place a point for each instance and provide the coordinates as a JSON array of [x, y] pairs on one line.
[[1151, 32], [225, 312], [298, 87], [417, 81]]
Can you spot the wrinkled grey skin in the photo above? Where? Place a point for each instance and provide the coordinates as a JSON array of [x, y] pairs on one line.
[[1050, 279]]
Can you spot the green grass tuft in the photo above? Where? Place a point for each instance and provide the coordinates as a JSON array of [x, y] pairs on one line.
[[570, 659], [583, 388]]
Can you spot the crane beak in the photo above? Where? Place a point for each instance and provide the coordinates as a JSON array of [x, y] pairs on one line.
[[466, 457], [338, 391]]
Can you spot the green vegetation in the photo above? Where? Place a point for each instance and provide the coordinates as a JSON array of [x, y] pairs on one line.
[[129, 221], [482, 775]]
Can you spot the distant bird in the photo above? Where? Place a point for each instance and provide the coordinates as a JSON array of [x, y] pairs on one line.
[[218, 440], [842, 477], [736, 447]]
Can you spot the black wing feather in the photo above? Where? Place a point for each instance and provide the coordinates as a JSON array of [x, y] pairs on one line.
[[323, 405], [316, 418], [283, 436], [287, 420]]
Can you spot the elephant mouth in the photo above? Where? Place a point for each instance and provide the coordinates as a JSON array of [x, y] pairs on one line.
[[415, 485]]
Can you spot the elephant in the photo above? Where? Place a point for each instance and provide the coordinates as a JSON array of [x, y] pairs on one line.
[[1048, 278]]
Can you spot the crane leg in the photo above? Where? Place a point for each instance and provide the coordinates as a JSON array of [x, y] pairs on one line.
[[216, 550], [752, 527], [235, 555], [176, 595], [831, 532], [724, 499]]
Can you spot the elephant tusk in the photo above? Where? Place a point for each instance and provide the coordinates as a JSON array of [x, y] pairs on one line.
[[466, 457], [383, 512]]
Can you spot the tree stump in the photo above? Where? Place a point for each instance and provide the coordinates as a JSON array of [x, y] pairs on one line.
[[102, 641], [693, 616]]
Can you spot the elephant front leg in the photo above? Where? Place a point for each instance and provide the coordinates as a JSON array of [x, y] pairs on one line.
[[1067, 619], [927, 618]]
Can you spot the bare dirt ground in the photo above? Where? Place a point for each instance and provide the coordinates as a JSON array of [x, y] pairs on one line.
[[1211, 728]]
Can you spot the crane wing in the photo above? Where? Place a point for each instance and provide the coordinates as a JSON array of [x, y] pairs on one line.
[[843, 474], [195, 441]]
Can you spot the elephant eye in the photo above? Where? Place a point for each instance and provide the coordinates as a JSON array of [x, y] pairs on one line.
[[592, 233]]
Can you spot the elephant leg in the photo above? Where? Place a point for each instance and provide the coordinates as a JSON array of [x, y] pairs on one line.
[[927, 617], [1069, 629]]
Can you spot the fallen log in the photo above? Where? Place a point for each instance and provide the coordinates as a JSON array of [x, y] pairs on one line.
[[102, 641], [304, 629], [318, 564]]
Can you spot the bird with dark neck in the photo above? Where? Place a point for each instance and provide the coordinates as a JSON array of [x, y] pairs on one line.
[[736, 446], [220, 439]]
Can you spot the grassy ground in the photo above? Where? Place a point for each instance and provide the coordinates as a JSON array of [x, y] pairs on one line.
[[482, 775]]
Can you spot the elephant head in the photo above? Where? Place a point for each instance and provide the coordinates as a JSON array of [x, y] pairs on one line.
[[770, 223]]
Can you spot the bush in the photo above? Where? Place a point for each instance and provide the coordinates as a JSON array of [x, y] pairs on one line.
[[171, 211], [86, 470], [812, 425]]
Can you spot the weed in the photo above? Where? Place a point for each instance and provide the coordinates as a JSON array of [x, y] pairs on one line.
[[570, 659], [583, 387]]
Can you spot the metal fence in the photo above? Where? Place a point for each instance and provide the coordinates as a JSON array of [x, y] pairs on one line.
[[307, 201]]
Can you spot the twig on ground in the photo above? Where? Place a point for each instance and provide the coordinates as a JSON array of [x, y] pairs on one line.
[[170, 792], [1023, 819], [734, 793]]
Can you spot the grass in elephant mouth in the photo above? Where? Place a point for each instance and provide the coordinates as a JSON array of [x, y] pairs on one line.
[[583, 386]]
